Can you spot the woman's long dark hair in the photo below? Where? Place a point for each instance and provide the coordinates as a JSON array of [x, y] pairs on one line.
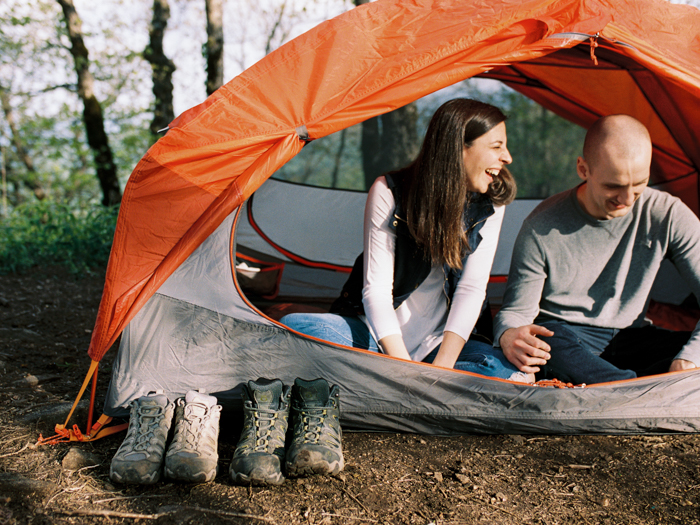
[[435, 184]]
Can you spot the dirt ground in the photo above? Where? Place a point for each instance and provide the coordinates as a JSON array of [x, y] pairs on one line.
[[45, 322]]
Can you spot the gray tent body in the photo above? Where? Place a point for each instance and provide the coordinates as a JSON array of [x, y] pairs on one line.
[[200, 331]]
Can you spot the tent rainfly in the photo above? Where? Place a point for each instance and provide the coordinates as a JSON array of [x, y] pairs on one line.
[[184, 329]]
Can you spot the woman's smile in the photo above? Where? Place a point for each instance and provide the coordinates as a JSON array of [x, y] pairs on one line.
[[485, 157]]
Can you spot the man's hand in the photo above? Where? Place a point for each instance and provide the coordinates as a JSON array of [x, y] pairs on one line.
[[524, 349], [681, 364]]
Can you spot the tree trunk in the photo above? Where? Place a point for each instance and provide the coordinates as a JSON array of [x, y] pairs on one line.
[[399, 141], [162, 67], [32, 178], [389, 141], [335, 176], [3, 174], [215, 45], [370, 146], [92, 111]]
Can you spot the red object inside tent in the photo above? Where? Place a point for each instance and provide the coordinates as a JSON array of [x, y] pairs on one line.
[[581, 59]]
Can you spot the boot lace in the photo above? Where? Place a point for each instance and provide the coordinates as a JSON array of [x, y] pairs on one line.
[[149, 418]]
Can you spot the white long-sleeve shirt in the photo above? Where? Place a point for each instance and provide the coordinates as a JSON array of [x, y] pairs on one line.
[[424, 316]]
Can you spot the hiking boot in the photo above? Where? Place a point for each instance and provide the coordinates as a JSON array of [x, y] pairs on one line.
[[259, 454], [140, 457], [192, 455], [316, 439]]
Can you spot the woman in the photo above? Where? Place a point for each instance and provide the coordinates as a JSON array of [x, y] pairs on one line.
[[430, 236]]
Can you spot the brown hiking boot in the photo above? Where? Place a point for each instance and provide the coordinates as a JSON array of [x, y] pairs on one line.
[[259, 454], [316, 441]]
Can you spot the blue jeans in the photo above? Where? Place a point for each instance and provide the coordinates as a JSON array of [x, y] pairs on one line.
[[590, 354], [476, 356]]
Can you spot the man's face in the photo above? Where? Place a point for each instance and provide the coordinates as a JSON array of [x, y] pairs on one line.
[[612, 183]]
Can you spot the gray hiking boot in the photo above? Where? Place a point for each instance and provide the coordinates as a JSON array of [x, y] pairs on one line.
[[140, 457], [259, 454], [316, 440], [193, 453]]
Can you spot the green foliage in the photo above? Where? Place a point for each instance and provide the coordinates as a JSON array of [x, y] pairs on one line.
[[48, 233]]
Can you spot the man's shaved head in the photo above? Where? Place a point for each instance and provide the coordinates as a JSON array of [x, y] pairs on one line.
[[614, 167], [621, 136]]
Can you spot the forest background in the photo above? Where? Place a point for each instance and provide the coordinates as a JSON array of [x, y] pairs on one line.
[[87, 87]]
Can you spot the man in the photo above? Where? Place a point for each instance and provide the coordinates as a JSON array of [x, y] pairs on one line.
[[584, 263]]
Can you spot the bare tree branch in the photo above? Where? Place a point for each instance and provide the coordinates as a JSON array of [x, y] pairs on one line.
[[275, 26]]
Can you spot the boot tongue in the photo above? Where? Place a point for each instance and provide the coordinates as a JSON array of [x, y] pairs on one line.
[[152, 401], [266, 395], [313, 393], [194, 396]]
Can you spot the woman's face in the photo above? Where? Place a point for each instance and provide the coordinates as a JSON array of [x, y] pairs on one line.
[[484, 159]]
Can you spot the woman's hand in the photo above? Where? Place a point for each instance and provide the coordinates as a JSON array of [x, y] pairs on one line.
[[450, 349], [394, 346]]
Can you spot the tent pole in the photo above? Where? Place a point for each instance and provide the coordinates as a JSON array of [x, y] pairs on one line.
[[93, 390]]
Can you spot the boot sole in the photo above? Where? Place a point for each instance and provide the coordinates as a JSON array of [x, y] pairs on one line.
[[304, 464], [243, 479], [183, 474], [133, 477]]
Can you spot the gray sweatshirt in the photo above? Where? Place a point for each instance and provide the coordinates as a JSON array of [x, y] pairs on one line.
[[567, 265]]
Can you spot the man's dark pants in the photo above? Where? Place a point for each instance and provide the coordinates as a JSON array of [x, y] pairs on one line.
[[589, 354]]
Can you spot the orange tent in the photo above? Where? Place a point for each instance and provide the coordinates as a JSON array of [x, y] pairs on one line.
[[579, 58]]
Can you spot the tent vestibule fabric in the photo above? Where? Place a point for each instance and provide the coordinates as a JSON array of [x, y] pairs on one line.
[[580, 58]]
